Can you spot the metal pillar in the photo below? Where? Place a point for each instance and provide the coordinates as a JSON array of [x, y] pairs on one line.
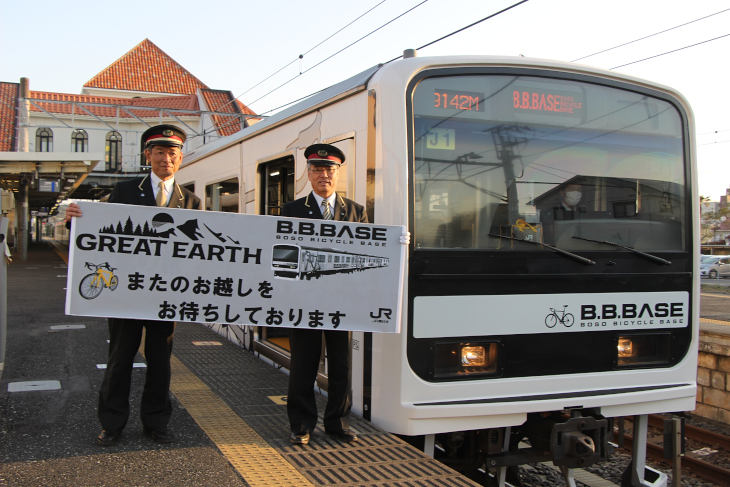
[[22, 218], [3, 290]]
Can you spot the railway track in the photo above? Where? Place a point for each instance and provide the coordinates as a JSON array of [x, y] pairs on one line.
[[703, 469]]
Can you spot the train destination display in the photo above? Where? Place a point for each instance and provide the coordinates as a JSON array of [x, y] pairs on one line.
[[213, 267]]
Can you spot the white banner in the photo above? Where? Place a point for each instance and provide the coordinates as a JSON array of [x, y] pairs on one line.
[[186, 265], [454, 316]]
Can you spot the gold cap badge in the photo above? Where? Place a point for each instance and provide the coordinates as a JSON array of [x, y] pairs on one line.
[[167, 133]]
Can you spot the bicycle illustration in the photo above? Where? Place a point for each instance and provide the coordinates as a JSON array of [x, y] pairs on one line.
[[102, 276], [552, 319]]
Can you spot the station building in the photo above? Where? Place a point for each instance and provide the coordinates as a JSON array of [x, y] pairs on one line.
[[82, 144]]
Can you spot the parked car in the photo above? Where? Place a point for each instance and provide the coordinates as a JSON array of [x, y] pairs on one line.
[[713, 266]]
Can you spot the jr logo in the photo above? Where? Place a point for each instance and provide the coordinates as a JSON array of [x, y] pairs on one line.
[[382, 312]]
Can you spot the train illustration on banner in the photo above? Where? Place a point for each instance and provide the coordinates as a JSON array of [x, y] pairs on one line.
[[298, 262]]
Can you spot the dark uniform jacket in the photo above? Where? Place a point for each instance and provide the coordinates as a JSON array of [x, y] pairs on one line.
[[125, 337], [306, 345], [345, 210], [138, 191]]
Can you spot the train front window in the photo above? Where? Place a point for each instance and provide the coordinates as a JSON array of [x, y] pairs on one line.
[[505, 158], [284, 253]]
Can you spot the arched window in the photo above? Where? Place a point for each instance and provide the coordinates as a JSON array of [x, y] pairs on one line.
[[113, 151], [44, 140], [79, 141]]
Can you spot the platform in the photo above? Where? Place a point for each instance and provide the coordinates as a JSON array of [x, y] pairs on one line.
[[229, 412]]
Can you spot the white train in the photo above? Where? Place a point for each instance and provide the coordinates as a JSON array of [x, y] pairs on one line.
[[537, 193]]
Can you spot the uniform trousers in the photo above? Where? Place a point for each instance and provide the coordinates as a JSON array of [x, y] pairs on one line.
[[124, 339], [306, 348]]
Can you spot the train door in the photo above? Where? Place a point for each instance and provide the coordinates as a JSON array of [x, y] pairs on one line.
[[276, 180]]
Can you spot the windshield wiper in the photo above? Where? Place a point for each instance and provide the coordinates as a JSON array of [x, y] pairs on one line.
[[554, 249], [644, 254]]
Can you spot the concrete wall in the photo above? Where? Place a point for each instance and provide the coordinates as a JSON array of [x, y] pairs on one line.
[[713, 373]]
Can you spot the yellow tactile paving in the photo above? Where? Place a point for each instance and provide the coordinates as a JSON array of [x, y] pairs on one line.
[[257, 462], [715, 322]]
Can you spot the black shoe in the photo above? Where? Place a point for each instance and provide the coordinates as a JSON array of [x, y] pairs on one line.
[[160, 436], [299, 439], [108, 438], [344, 435]]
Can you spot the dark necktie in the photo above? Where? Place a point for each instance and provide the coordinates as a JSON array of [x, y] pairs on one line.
[[326, 210]]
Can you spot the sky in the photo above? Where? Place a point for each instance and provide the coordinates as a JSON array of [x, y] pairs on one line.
[[236, 44]]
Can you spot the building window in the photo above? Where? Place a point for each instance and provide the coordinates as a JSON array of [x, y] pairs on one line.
[[113, 151], [44, 140], [79, 141]]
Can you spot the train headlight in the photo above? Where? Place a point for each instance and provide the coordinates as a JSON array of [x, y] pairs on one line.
[[644, 350], [625, 347], [464, 360], [473, 356]]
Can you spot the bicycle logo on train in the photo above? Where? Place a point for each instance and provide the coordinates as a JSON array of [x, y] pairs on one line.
[[561, 316]]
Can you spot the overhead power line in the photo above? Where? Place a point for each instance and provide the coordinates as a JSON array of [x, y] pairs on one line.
[[651, 35], [669, 52], [422, 47], [467, 27], [338, 52], [714, 132], [301, 56], [719, 142]]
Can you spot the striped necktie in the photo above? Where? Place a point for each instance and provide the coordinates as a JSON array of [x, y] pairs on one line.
[[161, 198], [326, 210]]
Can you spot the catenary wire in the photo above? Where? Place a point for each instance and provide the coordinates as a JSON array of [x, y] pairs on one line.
[[669, 52], [338, 52], [307, 52], [651, 35], [467, 27], [422, 47], [714, 132]]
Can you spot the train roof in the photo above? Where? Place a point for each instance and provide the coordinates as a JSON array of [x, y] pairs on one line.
[[353, 84], [360, 81]]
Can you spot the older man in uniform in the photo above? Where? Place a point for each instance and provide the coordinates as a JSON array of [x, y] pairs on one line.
[[163, 151], [323, 165]]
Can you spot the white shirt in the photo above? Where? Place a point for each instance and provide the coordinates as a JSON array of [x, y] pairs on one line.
[[168, 185], [330, 202]]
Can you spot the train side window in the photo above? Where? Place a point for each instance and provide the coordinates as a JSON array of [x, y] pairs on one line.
[[277, 185], [222, 196]]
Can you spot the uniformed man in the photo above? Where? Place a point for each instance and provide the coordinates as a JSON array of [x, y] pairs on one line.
[[163, 151], [323, 166]]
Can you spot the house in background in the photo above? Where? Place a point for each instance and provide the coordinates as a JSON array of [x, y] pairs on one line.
[[142, 88]]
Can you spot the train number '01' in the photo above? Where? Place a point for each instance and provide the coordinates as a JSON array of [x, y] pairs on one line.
[[441, 139]]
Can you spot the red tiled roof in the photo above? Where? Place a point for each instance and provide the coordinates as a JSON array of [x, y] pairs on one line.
[[223, 101], [189, 102], [8, 109], [146, 68]]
